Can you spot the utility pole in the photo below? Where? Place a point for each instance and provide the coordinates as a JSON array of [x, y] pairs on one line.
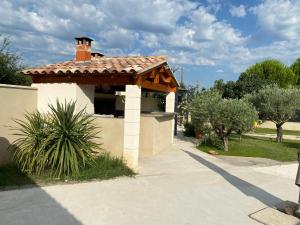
[[181, 75]]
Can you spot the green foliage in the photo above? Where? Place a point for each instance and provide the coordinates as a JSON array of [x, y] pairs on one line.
[[10, 66], [222, 116], [62, 141], [30, 145], [276, 104], [228, 89], [212, 140], [189, 130], [274, 72], [249, 84], [237, 89], [295, 67]]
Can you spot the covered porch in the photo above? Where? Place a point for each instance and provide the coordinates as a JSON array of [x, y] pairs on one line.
[[132, 98]]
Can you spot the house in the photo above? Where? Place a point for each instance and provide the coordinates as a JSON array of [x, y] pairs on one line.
[[122, 94]]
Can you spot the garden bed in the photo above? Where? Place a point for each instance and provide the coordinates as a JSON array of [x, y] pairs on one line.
[[258, 147], [103, 168]]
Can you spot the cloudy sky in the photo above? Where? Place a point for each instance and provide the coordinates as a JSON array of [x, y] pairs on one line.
[[211, 39]]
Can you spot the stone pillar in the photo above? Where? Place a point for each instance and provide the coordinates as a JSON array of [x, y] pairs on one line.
[[132, 115], [170, 107]]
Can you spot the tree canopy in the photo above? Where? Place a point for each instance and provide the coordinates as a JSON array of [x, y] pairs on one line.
[[274, 72], [276, 104], [295, 67], [10, 66], [223, 116]]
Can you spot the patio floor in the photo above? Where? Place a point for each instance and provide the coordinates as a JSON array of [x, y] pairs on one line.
[[180, 186]]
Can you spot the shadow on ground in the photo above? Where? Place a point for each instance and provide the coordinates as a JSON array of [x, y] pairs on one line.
[[30, 204], [243, 186]]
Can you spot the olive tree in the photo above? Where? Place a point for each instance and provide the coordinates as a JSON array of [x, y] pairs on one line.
[[277, 105], [223, 116]]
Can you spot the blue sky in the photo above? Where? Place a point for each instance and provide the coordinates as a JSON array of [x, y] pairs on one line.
[[210, 39]]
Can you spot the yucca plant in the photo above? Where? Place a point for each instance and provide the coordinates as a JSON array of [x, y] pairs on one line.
[[30, 145], [72, 139], [67, 141]]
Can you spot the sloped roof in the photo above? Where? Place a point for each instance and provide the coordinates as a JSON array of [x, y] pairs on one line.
[[100, 65]]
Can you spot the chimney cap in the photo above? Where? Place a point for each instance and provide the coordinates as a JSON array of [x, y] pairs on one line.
[[95, 54], [84, 38]]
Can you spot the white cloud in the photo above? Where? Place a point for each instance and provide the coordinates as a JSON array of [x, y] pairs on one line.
[[242, 57], [220, 71], [187, 31], [238, 11], [279, 17]]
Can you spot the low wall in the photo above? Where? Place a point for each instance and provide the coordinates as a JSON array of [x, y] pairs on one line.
[[111, 135], [155, 133], [286, 126], [14, 101]]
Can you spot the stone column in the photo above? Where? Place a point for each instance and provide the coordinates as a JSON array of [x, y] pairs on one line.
[[170, 107], [132, 115]]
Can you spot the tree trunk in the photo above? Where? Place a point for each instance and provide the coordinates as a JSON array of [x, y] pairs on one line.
[[225, 143], [279, 133]]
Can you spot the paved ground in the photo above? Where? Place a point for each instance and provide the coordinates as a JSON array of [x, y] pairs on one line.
[[182, 186]]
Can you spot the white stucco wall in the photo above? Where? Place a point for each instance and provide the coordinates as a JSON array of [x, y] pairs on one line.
[[48, 93], [85, 97]]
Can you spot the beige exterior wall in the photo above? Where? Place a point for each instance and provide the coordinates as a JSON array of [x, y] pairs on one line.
[[155, 133], [49, 93], [286, 126], [85, 97], [111, 135], [15, 101]]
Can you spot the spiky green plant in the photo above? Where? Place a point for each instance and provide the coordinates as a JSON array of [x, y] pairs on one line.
[[30, 145], [72, 138], [66, 141]]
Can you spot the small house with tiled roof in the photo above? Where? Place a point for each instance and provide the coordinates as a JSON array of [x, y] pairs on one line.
[[131, 97]]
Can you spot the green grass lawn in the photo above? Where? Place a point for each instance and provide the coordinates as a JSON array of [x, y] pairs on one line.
[[273, 131], [259, 147], [103, 168]]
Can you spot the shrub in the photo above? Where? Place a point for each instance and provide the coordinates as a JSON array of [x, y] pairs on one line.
[[212, 140], [29, 147], [189, 130], [62, 141]]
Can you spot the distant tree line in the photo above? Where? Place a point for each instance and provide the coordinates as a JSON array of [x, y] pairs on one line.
[[264, 73]]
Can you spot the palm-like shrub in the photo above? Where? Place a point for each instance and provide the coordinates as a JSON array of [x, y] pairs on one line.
[[62, 141], [30, 145]]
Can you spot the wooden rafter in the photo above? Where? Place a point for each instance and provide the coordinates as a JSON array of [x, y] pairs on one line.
[[156, 78], [158, 87]]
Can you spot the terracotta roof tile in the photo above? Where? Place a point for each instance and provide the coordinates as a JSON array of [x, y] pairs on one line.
[[128, 64]]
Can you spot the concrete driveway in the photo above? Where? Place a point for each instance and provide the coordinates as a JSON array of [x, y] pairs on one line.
[[181, 186]]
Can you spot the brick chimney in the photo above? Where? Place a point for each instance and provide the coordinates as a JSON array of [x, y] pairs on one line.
[[83, 48]]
